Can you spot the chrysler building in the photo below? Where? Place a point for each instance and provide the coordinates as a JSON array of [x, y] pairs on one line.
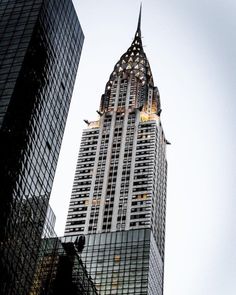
[[118, 199]]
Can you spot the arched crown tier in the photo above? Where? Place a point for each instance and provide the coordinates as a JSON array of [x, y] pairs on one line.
[[133, 63]]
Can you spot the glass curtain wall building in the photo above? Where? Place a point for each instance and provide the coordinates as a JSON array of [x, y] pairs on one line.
[[41, 42], [119, 194], [123, 262], [60, 270]]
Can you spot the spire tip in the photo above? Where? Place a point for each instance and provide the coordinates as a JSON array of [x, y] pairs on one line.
[[139, 18]]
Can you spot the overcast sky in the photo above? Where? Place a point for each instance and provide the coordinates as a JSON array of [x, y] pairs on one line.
[[191, 47]]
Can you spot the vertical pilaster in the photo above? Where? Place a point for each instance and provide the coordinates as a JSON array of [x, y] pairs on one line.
[[108, 160], [121, 160]]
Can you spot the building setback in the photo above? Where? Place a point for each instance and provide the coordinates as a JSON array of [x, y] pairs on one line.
[[41, 42], [119, 194]]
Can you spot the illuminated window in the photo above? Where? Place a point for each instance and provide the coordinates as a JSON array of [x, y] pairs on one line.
[[117, 258]]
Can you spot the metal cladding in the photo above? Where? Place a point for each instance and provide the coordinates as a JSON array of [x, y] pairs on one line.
[[133, 63]]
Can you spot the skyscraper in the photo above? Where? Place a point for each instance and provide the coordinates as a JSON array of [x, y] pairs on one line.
[[41, 42], [60, 270], [119, 194]]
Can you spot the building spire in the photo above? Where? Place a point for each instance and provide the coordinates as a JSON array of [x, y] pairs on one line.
[[133, 62], [139, 19]]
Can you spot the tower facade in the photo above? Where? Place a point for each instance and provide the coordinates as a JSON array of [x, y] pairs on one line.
[[119, 194], [60, 270], [41, 42]]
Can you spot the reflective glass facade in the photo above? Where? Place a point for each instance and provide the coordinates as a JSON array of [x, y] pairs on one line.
[[60, 270], [124, 262], [49, 224], [41, 42]]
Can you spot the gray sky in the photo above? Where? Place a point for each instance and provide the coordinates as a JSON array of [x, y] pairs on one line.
[[191, 47]]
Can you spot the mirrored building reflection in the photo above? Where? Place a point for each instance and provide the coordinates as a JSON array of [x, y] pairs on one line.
[[41, 43], [123, 262], [60, 270]]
